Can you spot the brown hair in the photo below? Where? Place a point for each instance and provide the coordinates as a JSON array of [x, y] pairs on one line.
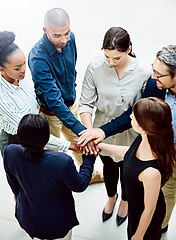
[[154, 117], [119, 39]]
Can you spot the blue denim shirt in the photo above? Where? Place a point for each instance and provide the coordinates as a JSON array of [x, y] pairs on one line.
[[54, 75], [171, 100]]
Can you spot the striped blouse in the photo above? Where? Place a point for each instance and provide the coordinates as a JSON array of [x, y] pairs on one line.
[[17, 101]]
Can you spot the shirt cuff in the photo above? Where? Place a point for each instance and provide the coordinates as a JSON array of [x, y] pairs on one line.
[[58, 143], [77, 128]]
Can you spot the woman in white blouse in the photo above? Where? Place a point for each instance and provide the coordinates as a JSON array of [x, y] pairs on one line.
[[112, 84], [17, 97]]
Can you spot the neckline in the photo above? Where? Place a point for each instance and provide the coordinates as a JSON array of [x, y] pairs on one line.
[[4, 81], [148, 160], [130, 68]]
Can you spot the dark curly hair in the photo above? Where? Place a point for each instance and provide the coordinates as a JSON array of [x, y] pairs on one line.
[[7, 46]]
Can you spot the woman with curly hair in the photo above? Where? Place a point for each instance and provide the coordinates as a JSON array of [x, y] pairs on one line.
[[17, 97]]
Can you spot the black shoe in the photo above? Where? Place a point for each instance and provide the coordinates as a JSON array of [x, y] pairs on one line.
[[120, 220], [163, 230], [106, 216]]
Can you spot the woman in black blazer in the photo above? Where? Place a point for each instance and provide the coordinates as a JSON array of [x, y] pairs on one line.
[[42, 181]]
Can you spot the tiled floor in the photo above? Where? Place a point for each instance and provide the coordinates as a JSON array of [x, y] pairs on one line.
[[151, 24]]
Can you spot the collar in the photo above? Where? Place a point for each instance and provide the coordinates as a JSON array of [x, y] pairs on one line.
[[129, 68], [167, 91], [50, 47], [170, 96], [10, 86], [171, 92]]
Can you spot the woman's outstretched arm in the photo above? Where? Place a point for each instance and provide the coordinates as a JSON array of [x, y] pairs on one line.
[[114, 149]]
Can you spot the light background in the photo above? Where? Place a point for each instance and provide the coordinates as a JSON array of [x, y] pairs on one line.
[[151, 24]]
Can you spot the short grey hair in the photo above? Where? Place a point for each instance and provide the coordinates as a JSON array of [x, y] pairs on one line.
[[167, 55], [56, 16]]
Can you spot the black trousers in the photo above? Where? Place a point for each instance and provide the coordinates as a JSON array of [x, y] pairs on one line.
[[111, 171], [7, 139]]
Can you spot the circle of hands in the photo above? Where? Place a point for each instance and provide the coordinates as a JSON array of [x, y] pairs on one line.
[[88, 141]]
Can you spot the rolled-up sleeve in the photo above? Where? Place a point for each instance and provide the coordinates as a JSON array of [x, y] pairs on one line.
[[58, 143]]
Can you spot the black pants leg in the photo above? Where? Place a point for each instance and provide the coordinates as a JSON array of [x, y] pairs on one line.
[[124, 198], [111, 176]]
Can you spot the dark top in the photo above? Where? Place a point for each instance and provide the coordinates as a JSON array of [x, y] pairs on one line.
[[135, 193], [123, 122], [45, 205], [54, 75]]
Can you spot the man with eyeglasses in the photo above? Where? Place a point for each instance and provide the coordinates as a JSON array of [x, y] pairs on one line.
[[161, 84], [164, 72]]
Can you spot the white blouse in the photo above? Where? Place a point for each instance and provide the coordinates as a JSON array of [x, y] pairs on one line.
[[112, 96]]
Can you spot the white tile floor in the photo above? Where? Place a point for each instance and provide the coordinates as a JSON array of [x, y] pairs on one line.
[[151, 24]]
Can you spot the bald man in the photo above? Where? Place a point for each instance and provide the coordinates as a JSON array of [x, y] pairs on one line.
[[52, 63]]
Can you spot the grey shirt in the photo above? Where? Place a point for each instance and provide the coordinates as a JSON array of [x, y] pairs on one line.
[[112, 96]]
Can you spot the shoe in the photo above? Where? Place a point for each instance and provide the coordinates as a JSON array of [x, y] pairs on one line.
[[106, 216], [120, 220], [97, 178], [163, 230]]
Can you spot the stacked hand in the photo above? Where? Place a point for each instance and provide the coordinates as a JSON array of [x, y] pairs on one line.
[[89, 140], [74, 147]]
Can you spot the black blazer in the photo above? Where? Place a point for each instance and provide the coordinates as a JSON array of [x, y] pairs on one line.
[[45, 205], [123, 122]]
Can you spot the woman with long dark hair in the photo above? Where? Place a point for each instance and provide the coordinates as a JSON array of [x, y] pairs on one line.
[[112, 84], [43, 180], [148, 165]]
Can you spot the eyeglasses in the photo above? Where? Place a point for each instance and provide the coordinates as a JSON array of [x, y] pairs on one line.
[[160, 76]]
